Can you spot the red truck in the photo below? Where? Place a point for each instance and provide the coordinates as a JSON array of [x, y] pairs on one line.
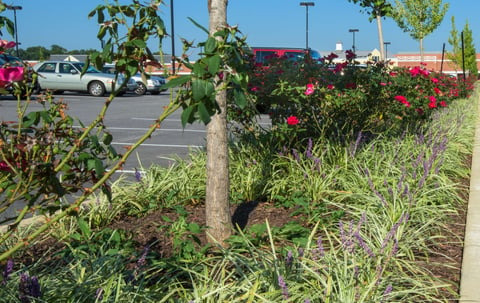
[[262, 54]]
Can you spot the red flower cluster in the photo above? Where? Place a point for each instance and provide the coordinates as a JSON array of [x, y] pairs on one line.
[[292, 120], [403, 100], [310, 89]]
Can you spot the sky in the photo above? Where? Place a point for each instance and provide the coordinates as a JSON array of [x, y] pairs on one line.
[[272, 23]]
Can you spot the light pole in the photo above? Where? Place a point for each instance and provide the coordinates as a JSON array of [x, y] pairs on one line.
[[306, 4], [353, 31], [173, 36], [15, 8], [386, 49]]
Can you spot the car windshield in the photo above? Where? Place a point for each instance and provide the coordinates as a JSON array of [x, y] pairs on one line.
[[90, 69]]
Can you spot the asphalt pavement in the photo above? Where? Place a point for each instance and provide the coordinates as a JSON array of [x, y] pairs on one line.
[[127, 119]]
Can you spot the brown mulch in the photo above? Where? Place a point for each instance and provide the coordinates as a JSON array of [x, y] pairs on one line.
[[147, 231]]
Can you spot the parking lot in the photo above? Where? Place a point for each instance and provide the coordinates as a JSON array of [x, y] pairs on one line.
[[128, 118]]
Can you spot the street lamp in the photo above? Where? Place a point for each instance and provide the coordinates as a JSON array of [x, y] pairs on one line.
[[173, 36], [306, 4], [353, 31], [15, 8], [386, 49]]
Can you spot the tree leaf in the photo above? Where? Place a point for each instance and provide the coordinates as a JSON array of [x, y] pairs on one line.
[[214, 64], [198, 25], [198, 89], [186, 115], [204, 113], [240, 98], [175, 82], [210, 45]]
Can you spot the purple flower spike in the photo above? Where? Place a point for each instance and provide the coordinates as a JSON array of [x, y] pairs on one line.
[[8, 270], [284, 287]]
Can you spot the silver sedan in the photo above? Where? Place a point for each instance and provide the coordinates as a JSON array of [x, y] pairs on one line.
[[62, 76]]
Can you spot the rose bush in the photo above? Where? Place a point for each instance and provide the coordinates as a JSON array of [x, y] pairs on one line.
[[339, 100]]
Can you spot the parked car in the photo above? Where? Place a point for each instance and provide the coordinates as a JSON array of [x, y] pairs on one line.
[[263, 54], [16, 86], [62, 76], [151, 84]]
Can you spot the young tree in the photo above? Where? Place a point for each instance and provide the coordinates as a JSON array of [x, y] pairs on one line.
[[218, 217], [377, 9], [468, 50], [454, 40], [419, 17]]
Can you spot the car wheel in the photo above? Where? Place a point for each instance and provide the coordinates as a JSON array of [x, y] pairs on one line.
[[96, 89], [141, 89], [36, 89]]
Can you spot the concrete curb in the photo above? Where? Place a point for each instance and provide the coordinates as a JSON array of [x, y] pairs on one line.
[[470, 274]]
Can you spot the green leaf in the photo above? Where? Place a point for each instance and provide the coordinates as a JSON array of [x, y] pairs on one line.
[[198, 25], [204, 113], [186, 115], [198, 89], [176, 82], [30, 119], [210, 45], [214, 64], [139, 43], [107, 138], [84, 228], [194, 228], [240, 98]]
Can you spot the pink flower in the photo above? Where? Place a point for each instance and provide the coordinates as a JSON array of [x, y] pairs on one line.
[[4, 166], [403, 100], [424, 72], [10, 74], [432, 99], [435, 80], [4, 44], [437, 90], [310, 89], [292, 120], [254, 89], [443, 104], [414, 71], [331, 57], [350, 55], [330, 86], [383, 84]]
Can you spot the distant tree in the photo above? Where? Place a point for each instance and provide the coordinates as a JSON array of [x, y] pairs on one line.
[[58, 50], [469, 51], [377, 9], [34, 53], [419, 17]]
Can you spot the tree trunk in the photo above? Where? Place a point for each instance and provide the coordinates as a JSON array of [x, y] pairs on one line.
[[218, 217], [380, 38], [421, 50]]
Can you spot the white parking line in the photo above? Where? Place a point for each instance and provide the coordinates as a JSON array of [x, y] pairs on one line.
[[160, 129], [159, 145]]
